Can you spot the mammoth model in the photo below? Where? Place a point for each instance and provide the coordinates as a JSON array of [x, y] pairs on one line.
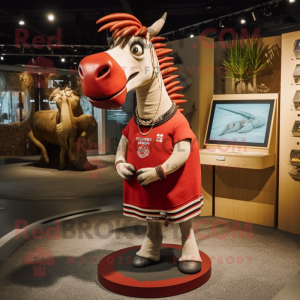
[[158, 154], [62, 127]]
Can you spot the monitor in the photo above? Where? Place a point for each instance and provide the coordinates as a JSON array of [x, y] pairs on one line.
[[240, 122]]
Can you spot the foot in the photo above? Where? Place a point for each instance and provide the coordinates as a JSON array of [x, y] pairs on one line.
[[142, 262], [189, 267]]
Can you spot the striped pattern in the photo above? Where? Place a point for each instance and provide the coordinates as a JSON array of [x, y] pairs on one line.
[[184, 213]]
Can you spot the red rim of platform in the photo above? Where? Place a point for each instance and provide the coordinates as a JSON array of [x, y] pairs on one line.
[[119, 284]]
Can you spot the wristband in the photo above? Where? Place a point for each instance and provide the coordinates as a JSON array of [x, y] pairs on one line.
[[160, 172], [118, 162]]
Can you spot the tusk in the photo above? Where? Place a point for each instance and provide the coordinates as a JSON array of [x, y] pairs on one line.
[[156, 27]]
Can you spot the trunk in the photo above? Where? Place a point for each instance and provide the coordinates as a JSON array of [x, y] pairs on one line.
[[242, 85], [245, 87], [254, 84], [233, 86]]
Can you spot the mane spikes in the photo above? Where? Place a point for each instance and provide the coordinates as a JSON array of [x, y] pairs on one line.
[[170, 78], [164, 59], [122, 24], [129, 31], [117, 17], [165, 64]]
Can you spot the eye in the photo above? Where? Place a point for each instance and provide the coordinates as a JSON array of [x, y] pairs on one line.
[[137, 49]]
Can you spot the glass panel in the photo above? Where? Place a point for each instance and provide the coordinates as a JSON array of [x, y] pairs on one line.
[[88, 108], [116, 120], [14, 107]]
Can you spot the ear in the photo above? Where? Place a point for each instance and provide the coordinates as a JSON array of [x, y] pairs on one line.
[[157, 26]]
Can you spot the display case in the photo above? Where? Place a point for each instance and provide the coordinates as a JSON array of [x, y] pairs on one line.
[[296, 74], [296, 100], [295, 173], [23, 91], [297, 49], [295, 158], [296, 129], [240, 146]]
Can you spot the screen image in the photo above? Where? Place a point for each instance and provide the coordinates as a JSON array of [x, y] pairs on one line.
[[245, 122]]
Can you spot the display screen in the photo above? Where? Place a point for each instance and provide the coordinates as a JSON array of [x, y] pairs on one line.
[[242, 122]]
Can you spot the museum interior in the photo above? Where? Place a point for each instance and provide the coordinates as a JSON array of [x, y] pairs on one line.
[[87, 90]]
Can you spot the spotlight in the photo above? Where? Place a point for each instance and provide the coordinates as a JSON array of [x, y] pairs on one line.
[[50, 17], [192, 32], [62, 59], [2, 57], [291, 1], [75, 63], [268, 11], [21, 22], [243, 21]]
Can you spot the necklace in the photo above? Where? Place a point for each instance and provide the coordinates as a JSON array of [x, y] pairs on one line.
[[159, 120]]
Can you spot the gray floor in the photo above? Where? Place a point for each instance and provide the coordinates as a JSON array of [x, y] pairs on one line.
[[22, 181], [34, 210], [242, 267]]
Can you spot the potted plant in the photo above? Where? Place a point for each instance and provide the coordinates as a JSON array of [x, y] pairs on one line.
[[243, 61]]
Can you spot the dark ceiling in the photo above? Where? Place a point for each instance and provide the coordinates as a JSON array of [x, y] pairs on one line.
[[77, 22]]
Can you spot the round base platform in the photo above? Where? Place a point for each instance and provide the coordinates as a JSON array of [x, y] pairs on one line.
[[163, 279]]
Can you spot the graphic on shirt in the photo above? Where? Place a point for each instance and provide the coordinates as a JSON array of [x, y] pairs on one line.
[[159, 138], [143, 150]]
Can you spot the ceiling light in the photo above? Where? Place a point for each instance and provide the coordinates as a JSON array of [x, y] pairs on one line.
[[2, 58], [50, 17], [268, 11], [191, 36], [63, 60], [291, 1], [75, 63], [21, 22], [243, 21]]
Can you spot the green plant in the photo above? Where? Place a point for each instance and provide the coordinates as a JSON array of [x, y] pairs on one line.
[[243, 60], [257, 59]]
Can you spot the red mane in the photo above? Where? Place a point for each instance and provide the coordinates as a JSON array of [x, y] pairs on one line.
[[122, 24]]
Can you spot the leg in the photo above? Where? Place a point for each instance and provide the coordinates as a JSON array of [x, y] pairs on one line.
[[62, 158], [71, 151], [44, 155], [39, 145], [150, 250], [190, 260], [189, 246]]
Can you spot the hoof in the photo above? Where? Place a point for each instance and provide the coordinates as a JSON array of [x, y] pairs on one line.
[[142, 262], [189, 267]]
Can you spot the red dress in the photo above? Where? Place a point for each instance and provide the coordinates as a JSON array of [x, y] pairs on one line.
[[179, 197]]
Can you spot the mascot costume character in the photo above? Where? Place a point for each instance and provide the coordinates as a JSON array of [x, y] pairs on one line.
[[158, 154]]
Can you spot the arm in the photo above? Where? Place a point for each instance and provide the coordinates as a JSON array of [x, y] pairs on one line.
[[125, 170], [179, 156]]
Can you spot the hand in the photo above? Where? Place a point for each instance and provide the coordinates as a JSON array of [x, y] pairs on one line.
[[125, 170], [146, 176]]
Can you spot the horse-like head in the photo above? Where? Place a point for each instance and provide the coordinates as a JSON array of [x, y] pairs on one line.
[[131, 62]]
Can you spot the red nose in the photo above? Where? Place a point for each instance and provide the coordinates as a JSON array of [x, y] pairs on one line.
[[103, 80]]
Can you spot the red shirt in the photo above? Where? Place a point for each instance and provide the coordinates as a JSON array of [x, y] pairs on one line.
[[180, 194]]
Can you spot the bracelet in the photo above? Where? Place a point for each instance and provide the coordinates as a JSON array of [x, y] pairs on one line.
[[118, 162], [160, 172]]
